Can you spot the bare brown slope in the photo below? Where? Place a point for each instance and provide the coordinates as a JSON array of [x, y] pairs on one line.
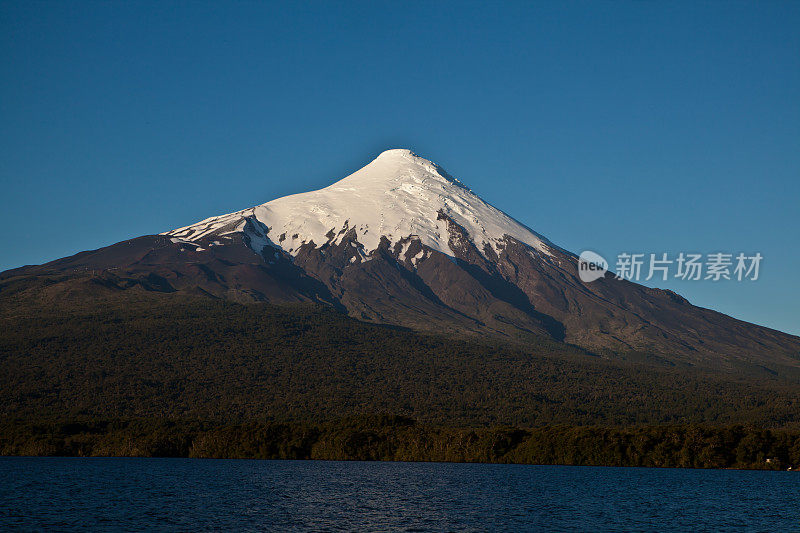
[[517, 294]]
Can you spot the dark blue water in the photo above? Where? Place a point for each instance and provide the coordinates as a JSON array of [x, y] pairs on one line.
[[183, 494]]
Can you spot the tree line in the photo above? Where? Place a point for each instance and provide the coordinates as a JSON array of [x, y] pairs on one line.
[[397, 438]]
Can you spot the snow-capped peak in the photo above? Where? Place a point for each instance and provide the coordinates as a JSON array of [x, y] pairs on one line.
[[397, 195]]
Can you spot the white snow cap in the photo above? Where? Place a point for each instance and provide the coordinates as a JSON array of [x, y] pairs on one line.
[[397, 195]]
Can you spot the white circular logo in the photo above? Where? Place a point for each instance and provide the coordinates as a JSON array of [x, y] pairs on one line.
[[591, 266]]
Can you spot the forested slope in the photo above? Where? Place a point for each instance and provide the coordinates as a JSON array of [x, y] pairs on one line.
[[144, 354]]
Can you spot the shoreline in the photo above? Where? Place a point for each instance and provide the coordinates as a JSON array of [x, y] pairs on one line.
[[421, 461]]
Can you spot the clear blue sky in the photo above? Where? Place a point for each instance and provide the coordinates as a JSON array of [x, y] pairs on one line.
[[610, 126]]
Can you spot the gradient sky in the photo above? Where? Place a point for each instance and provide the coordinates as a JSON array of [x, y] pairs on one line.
[[610, 126]]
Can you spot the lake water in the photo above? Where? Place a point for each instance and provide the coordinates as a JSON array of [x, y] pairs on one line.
[[184, 494]]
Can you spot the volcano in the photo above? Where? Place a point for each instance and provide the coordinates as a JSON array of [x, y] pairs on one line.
[[402, 242]]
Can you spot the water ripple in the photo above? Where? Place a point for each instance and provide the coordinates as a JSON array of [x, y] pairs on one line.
[[68, 494]]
